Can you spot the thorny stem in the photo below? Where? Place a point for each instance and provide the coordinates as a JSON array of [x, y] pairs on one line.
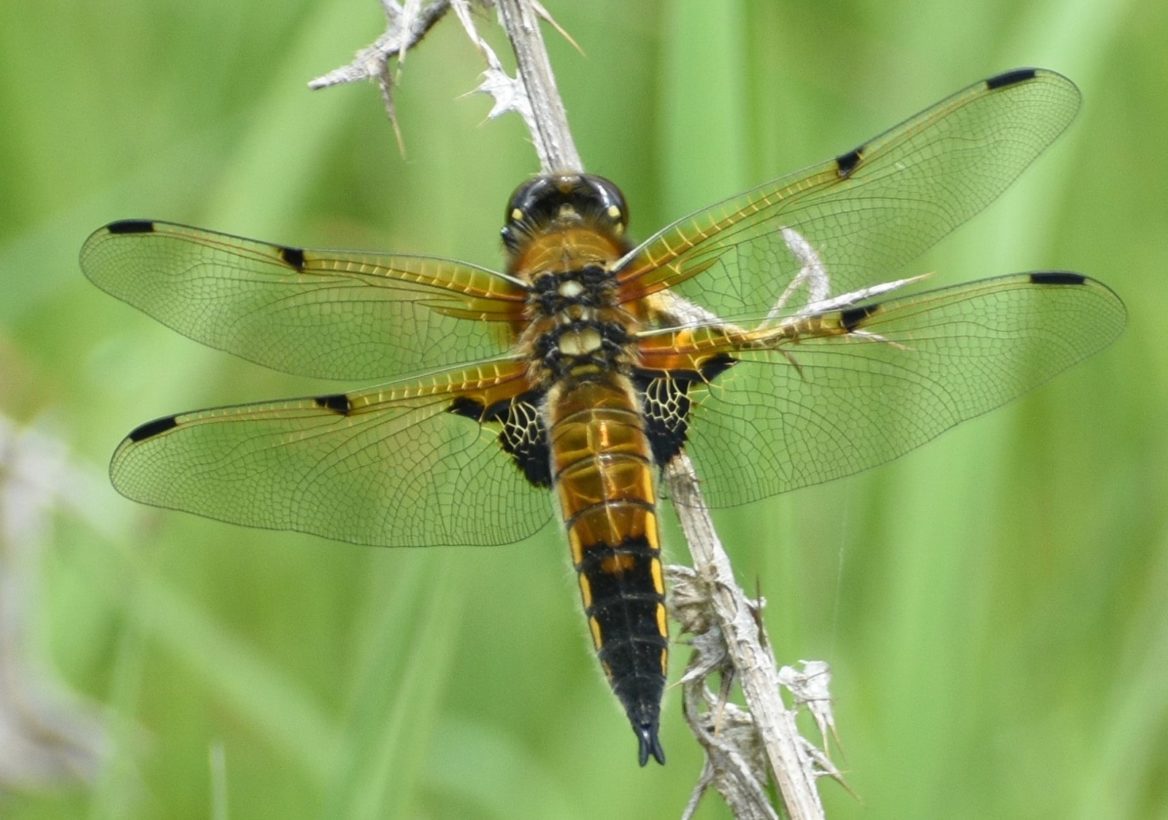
[[749, 655], [550, 134]]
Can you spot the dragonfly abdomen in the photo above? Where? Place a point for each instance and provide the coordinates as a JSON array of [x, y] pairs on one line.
[[603, 473]]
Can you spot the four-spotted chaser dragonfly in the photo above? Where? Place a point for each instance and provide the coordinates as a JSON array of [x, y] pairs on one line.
[[756, 334]]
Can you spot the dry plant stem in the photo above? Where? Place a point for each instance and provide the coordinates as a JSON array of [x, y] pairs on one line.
[[551, 135], [750, 657], [406, 29]]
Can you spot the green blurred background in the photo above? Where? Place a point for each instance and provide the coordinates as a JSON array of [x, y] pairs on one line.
[[993, 606]]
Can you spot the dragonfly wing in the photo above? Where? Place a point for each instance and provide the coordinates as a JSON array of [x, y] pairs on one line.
[[327, 314], [396, 465], [837, 393], [865, 213]]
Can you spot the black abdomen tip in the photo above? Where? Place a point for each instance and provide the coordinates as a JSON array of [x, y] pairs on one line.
[[648, 744]]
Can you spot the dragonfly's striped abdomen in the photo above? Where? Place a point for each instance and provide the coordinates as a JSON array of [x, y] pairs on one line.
[[603, 474]]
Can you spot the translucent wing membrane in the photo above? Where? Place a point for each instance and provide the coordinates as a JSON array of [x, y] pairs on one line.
[[328, 314], [866, 212], [820, 396], [390, 466]]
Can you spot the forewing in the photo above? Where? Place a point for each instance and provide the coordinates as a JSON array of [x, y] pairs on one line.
[[836, 393], [391, 466], [327, 314], [865, 213]]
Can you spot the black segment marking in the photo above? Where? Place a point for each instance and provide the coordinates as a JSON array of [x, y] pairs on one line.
[[337, 402], [1057, 278], [131, 226], [624, 604], [294, 257], [153, 428], [1008, 78], [851, 318], [847, 163]]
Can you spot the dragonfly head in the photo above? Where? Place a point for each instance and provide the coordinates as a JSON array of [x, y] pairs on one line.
[[560, 202]]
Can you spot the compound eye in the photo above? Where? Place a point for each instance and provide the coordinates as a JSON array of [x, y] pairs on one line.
[[614, 203], [525, 200]]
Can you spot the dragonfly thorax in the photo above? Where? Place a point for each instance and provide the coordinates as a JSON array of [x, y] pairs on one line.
[[577, 329], [563, 234], [581, 348], [592, 286]]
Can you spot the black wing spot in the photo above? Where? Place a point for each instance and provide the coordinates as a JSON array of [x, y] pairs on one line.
[[847, 163], [1057, 278], [1009, 78], [713, 367], [851, 318], [337, 402], [153, 428], [665, 403], [523, 435], [131, 226], [293, 257], [468, 408]]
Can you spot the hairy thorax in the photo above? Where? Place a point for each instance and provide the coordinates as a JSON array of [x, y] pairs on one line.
[[575, 329]]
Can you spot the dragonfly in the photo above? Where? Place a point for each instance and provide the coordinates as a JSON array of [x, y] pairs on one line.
[[762, 337]]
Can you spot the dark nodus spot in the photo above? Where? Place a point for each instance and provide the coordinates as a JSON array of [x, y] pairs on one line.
[[851, 318], [847, 163], [293, 257], [337, 402]]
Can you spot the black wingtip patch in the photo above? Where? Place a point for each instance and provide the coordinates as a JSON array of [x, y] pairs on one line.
[[153, 428], [847, 163], [1009, 78], [293, 257], [131, 226], [851, 318], [337, 402], [1057, 278]]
